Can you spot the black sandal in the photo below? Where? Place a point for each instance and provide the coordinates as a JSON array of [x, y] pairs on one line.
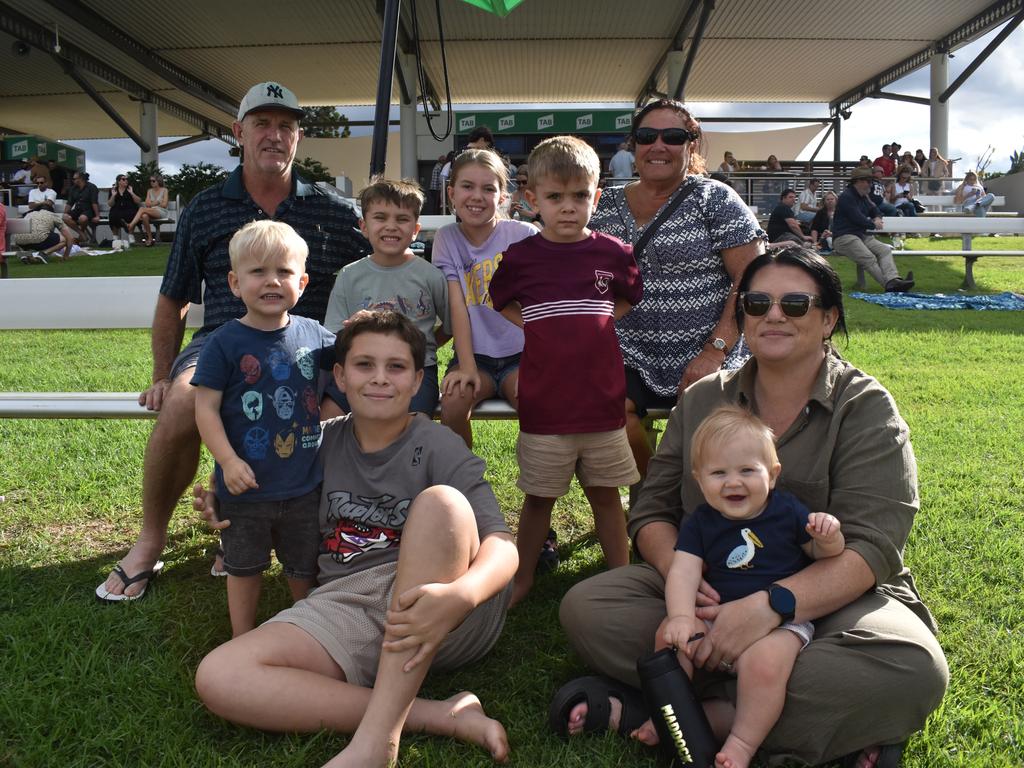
[[595, 690]]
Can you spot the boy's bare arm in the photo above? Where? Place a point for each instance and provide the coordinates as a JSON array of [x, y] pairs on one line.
[[238, 476], [621, 308], [827, 539], [513, 312]]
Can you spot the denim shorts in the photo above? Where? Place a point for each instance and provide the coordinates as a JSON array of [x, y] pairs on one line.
[[498, 368], [644, 397], [291, 527], [189, 356]]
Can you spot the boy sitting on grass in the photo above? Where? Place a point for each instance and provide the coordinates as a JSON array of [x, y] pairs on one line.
[[415, 571], [258, 413], [393, 277], [750, 536], [566, 286]]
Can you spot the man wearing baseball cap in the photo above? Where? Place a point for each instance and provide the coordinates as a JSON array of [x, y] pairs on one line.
[[854, 219], [264, 186]]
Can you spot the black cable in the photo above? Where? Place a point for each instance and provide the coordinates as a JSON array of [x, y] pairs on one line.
[[421, 75]]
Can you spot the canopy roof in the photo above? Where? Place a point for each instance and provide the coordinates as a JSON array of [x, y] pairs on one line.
[[197, 58]]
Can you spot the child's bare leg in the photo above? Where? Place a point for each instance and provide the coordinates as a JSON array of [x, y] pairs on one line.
[[300, 587], [439, 541], [243, 598], [458, 405], [762, 672], [610, 524], [639, 440], [534, 522], [510, 389]]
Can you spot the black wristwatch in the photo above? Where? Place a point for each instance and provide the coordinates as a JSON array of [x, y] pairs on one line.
[[782, 601]]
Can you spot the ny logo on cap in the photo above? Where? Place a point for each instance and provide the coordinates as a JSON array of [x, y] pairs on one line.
[[275, 91]]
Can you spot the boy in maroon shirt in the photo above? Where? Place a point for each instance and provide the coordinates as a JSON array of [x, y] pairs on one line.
[[566, 286]]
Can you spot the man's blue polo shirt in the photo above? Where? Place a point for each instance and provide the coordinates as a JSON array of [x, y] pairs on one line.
[[326, 221]]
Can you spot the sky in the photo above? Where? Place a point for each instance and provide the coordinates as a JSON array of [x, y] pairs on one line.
[[984, 114]]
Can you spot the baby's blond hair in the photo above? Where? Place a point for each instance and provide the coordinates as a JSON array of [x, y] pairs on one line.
[[724, 425]]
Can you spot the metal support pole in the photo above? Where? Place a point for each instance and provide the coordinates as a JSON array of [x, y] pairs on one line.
[[691, 55], [822, 142], [147, 127], [178, 143], [994, 43], [938, 112], [101, 102], [837, 122], [407, 117], [388, 46]]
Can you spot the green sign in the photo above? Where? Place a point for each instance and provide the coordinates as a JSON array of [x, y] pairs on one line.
[[497, 7], [547, 121], [25, 147]]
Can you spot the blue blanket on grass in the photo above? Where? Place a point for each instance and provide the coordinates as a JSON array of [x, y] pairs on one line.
[[1005, 301]]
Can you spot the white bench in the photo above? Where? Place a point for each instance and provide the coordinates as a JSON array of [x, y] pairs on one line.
[[945, 200], [965, 226]]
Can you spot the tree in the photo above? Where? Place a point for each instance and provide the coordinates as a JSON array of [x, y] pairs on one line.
[[324, 123], [193, 179], [314, 170]]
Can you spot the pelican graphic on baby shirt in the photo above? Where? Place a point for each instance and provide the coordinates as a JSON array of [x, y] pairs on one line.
[[743, 555]]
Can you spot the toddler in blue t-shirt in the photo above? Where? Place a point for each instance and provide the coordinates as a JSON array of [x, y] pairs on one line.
[[745, 539], [258, 412]]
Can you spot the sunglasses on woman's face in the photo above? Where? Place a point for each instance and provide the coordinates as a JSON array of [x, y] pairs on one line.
[[672, 136], [756, 304]]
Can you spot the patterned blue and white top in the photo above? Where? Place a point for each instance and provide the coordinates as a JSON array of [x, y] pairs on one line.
[[685, 281]]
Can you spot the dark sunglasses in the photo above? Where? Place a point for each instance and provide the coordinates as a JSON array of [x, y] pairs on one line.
[[756, 304], [672, 136]]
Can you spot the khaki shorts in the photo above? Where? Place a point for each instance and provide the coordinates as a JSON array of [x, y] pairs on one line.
[[347, 615], [599, 459]]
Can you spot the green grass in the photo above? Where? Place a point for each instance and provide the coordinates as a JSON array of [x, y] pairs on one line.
[[137, 261], [83, 684]]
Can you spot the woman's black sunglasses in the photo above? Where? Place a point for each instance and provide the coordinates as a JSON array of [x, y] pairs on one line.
[[756, 304], [672, 136]]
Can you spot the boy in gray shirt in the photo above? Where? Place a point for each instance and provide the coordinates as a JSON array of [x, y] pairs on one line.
[[394, 278]]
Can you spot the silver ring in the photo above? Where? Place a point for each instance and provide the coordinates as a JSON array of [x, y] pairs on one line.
[[725, 666]]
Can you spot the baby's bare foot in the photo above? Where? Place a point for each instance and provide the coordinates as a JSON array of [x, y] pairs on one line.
[[646, 734], [578, 716], [735, 753]]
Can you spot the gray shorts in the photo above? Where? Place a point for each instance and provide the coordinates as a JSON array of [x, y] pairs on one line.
[[189, 356], [290, 526], [347, 615]]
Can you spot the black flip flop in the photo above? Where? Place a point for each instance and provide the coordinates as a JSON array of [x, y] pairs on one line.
[[108, 597], [595, 690]]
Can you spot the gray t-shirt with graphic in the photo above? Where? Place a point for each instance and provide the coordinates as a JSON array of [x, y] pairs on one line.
[[416, 289], [366, 496]]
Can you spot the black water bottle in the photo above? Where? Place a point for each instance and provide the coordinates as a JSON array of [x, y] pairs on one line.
[[683, 728]]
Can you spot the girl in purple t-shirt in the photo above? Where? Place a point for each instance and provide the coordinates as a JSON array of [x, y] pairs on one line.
[[487, 346]]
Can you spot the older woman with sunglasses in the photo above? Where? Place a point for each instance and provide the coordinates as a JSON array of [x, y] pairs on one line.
[[685, 327], [155, 207], [874, 670]]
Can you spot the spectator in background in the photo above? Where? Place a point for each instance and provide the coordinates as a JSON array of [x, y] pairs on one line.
[[42, 198], [729, 164], [436, 189], [481, 138], [864, 162], [885, 162], [124, 205], [39, 168], [972, 196], [821, 225], [877, 193], [936, 169], [154, 208], [43, 237], [907, 160], [58, 179], [807, 203], [622, 164], [783, 224], [772, 165], [900, 192], [519, 205], [83, 205], [856, 216], [894, 155], [22, 181]]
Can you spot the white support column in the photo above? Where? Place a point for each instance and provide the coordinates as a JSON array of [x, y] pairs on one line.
[[939, 112], [674, 62], [148, 131], [407, 117]]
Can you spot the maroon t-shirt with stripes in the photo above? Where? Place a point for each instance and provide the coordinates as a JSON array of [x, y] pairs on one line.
[[571, 378]]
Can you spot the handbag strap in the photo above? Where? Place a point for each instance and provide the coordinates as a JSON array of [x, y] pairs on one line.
[[672, 207]]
